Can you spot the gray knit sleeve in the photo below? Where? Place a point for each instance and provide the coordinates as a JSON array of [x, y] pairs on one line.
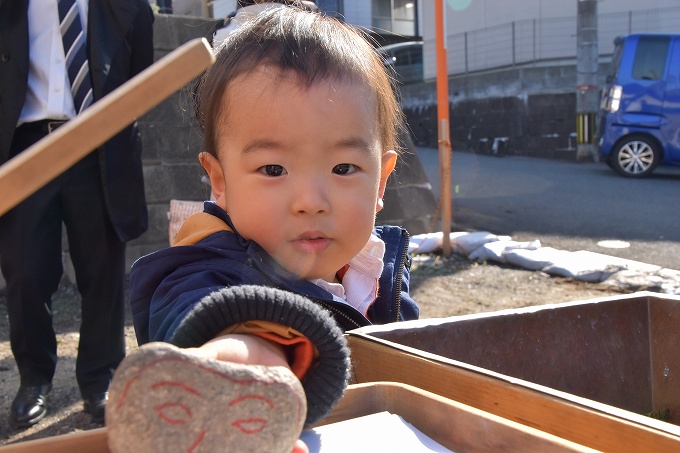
[[324, 383]]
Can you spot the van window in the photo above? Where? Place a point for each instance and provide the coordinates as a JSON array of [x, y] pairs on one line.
[[404, 60], [650, 57], [408, 56]]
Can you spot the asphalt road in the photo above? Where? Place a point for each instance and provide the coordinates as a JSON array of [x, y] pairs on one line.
[[566, 205]]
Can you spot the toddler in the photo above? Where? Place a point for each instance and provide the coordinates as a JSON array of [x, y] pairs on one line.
[[300, 127]]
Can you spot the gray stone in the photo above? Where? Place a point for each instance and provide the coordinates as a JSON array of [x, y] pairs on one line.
[[162, 399]]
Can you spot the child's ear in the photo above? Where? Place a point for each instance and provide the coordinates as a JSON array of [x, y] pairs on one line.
[[389, 161], [214, 170]]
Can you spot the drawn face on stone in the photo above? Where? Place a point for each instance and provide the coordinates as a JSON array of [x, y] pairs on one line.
[[194, 408]]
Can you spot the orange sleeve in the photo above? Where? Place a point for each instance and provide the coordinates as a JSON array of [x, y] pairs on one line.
[[301, 352]]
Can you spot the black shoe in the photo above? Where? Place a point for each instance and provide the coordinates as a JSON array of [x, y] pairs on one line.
[[95, 405], [30, 405]]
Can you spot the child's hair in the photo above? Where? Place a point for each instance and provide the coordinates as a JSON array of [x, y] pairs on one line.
[[315, 47], [305, 4]]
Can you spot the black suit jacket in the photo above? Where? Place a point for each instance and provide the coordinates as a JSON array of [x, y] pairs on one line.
[[119, 45]]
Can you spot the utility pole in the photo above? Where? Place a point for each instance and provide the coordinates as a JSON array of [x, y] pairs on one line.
[[587, 90], [444, 129]]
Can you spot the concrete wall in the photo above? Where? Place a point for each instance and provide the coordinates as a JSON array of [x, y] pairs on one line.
[[527, 111]]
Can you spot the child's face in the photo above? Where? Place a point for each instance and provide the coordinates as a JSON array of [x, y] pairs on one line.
[[301, 170]]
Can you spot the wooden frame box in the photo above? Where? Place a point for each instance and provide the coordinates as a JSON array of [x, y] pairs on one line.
[[452, 424], [584, 371]]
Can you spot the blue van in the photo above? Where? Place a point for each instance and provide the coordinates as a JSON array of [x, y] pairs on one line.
[[639, 124]]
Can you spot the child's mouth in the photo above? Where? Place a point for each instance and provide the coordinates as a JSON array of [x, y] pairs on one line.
[[312, 242]]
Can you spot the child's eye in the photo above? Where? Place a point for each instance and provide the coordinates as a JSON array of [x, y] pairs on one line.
[[272, 170], [345, 169]]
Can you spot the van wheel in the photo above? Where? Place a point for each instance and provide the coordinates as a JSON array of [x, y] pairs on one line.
[[635, 156]]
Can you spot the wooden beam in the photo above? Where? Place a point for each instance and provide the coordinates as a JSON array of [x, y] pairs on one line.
[[36, 166], [553, 412]]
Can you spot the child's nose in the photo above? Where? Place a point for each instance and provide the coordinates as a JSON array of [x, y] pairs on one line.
[[311, 197]]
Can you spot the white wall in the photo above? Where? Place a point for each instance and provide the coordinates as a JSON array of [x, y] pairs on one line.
[[358, 12], [541, 29], [488, 13]]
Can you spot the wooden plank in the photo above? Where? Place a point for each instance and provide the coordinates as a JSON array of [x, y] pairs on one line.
[[456, 426], [373, 362], [90, 441], [51, 156]]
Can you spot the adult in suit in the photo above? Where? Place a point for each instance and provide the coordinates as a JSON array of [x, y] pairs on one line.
[[100, 199]]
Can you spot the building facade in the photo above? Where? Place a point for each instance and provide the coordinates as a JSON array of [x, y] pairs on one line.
[[512, 70], [511, 64]]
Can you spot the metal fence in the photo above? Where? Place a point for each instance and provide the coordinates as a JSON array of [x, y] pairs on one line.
[[534, 41]]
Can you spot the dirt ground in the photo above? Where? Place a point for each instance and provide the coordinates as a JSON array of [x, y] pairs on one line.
[[442, 287]]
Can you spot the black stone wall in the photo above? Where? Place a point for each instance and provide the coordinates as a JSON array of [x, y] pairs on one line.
[[527, 111], [540, 125]]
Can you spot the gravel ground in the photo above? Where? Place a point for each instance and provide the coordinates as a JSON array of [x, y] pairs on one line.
[[442, 287]]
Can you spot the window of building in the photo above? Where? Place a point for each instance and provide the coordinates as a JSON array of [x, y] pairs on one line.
[[396, 16]]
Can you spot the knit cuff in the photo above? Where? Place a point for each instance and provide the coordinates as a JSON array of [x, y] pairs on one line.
[[325, 382]]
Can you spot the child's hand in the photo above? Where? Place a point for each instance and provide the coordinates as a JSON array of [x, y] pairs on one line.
[[242, 348], [300, 447]]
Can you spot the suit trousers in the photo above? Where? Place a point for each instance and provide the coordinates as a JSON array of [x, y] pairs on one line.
[[31, 262]]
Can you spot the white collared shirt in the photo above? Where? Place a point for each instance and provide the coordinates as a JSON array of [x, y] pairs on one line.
[[49, 94], [359, 286]]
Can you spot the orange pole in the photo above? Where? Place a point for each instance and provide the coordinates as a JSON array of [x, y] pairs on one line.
[[444, 128]]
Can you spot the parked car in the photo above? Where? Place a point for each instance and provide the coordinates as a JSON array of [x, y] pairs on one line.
[[639, 124], [405, 59]]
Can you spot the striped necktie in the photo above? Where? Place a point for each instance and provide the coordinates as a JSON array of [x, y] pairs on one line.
[[77, 67]]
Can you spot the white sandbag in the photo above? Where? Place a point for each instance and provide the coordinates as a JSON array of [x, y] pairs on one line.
[[468, 242], [461, 241], [493, 251], [534, 260], [425, 243]]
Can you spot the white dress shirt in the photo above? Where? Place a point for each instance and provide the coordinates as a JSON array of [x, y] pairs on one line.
[[359, 286], [49, 94]]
